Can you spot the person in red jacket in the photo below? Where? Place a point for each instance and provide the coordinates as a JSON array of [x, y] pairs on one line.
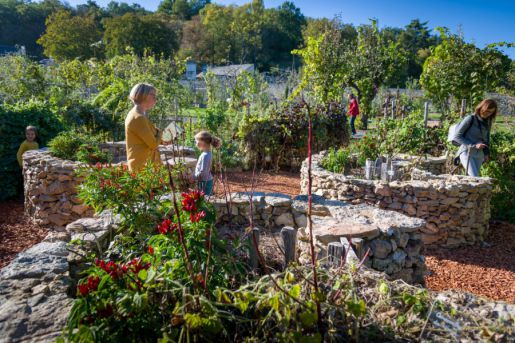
[[353, 111]]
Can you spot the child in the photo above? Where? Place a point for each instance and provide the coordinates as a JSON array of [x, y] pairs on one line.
[[31, 134], [205, 141]]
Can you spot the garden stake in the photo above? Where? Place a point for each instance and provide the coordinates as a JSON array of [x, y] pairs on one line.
[[310, 222]]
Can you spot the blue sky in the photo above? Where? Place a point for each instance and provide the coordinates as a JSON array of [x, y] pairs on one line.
[[480, 21]]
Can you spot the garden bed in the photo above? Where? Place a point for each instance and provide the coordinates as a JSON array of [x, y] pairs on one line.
[[456, 208]]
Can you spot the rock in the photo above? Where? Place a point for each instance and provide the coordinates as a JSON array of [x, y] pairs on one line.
[[381, 264], [382, 190], [301, 220], [59, 219], [399, 257], [278, 200], [430, 228], [413, 247], [80, 209], [403, 240], [285, 219], [380, 248]]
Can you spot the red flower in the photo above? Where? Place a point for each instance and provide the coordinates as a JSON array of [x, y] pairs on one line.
[[83, 289], [200, 280], [152, 195], [93, 283], [188, 204], [111, 268], [196, 217], [166, 226], [98, 165], [135, 265], [150, 250]]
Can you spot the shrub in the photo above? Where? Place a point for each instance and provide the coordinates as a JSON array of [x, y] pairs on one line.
[[501, 167], [77, 146], [337, 161], [13, 121], [278, 139]]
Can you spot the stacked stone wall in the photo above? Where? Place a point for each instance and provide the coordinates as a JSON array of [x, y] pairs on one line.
[[456, 208]]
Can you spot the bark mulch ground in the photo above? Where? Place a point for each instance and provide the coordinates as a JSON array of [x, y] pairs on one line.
[[485, 271], [16, 232]]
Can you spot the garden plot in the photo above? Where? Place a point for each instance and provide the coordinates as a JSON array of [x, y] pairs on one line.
[[456, 208]]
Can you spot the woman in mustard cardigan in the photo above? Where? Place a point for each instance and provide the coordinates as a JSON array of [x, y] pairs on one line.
[[142, 138]]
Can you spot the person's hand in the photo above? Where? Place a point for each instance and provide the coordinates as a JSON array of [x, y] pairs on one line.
[[480, 146]]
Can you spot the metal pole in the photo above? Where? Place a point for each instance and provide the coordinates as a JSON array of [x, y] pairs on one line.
[[426, 112]]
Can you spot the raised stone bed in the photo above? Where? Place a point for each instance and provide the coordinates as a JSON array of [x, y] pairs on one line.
[[456, 208], [391, 239], [50, 183]]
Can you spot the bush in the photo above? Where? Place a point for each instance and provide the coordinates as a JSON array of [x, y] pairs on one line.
[[337, 161], [501, 167], [13, 121], [77, 146], [280, 138]]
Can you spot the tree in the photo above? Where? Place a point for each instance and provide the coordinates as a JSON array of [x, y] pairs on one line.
[[458, 70], [334, 61], [69, 37], [183, 9], [155, 34], [23, 22], [218, 39], [117, 9], [281, 33]]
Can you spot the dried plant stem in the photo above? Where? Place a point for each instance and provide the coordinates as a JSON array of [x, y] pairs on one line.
[[180, 231], [310, 221]]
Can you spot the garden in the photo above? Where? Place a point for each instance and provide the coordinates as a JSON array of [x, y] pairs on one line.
[[312, 233]]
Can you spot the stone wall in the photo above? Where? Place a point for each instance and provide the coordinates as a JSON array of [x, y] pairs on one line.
[[50, 190], [50, 183], [393, 240], [456, 208]]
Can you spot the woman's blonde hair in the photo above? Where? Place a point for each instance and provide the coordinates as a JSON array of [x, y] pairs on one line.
[[208, 138], [140, 92], [485, 105]]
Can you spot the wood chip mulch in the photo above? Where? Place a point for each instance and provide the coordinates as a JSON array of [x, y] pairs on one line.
[[16, 232], [485, 271], [281, 182]]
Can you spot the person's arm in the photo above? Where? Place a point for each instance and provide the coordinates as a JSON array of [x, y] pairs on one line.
[[144, 129], [19, 155], [459, 137]]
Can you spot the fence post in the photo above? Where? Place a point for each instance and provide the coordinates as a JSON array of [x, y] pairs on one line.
[[393, 108], [369, 169], [463, 107], [377, 171], [289, 236], [426, 112], [253, 249], [335, 254]]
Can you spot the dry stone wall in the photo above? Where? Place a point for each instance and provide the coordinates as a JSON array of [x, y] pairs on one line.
[[456, 208], [50, 183], [393, 240]]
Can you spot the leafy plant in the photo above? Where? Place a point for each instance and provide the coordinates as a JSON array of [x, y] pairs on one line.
[[336, 161], [78, 146]]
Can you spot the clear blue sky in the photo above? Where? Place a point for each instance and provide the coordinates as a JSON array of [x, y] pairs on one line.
[[480, 21]]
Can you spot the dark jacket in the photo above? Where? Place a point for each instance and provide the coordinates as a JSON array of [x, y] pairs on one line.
[[471, 131]]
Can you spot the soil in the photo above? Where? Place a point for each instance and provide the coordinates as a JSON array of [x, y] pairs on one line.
[[16, 232], [487, 271]]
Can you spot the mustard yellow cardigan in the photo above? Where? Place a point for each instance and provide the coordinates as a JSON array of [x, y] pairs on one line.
[[142, 139], [25, 146]]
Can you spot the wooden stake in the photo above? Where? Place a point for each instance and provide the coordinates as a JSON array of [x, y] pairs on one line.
[[289, 236], [426, 112], [335, 254], [253, 249]]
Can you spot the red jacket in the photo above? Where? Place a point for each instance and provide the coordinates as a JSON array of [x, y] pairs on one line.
[[353, 108]]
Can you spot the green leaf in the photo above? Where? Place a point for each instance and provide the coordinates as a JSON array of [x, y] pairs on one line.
[[383, 288], [295, 291], [143, 274]]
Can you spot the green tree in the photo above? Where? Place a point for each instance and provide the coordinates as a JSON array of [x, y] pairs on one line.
[[183, 9], [156, 34], [458, 70], [23, 22], [69, 37]]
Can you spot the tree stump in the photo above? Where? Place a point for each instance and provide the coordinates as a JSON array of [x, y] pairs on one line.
[[254, 249]]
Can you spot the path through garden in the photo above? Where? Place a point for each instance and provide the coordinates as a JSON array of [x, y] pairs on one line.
[[485, 271]]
